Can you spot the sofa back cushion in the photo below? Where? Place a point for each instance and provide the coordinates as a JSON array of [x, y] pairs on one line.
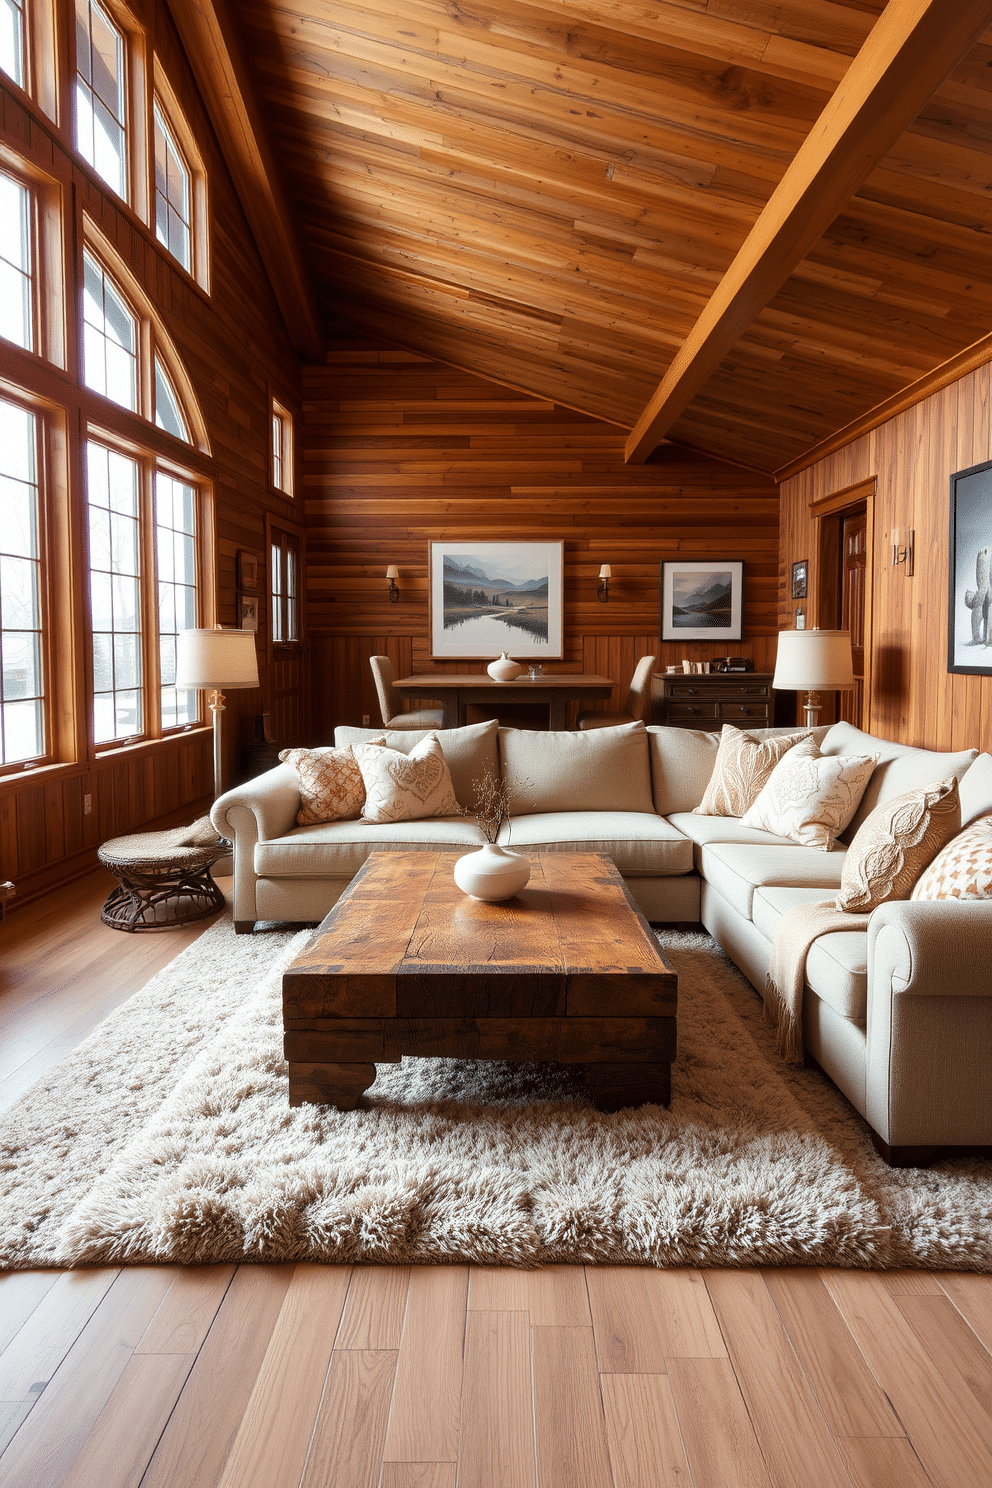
[[900, 768], [682, 763], [975, 789], [603, 769], [468, 752]]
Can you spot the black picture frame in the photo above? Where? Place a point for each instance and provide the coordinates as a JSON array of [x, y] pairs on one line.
[[713, 620], [800, 578], [969, 581]]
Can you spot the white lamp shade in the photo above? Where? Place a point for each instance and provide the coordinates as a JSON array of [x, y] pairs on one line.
[[606, 572], [221, 659], [813, 661], [392, 572]]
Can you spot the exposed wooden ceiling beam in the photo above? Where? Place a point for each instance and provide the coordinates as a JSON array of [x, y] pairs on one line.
[[211, 44], [905, 58]]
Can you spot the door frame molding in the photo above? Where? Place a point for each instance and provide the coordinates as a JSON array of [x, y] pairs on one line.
[[835, 504]]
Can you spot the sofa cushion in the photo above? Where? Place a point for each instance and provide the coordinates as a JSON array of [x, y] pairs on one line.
[[331, 785], [403, 786], [641, 844], [896, 843], [592, 770], [742, 766], [703, 829], [810, 797], [338, 849], [736, 869], [975, 789], [682, 762], [900, 768], [963, 870], [468, 752], [837, 964]]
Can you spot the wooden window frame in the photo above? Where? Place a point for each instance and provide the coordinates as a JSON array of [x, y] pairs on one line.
[[48, 228], [44, 77], [199, 269], [276, 523], [279, 411], [137, 110]]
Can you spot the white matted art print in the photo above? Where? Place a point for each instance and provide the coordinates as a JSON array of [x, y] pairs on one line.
[[490, 597], [702, 600]]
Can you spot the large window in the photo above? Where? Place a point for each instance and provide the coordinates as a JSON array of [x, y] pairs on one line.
[[115, 593], [22, 708], [101, 95], [12, 30], [16, 263], [173, 193], [284, 567], [175, 547]]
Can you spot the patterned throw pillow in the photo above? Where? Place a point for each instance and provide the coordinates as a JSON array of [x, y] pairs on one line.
[[892, 847], [743, 765], [406, 787], [810, 796], [964, 869], [331, 786]]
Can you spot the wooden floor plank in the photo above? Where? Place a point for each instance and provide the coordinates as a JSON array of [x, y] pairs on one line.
[[48, 1333], [374, 1308], [12, 1413], [196, 1442], [850, 1397], [628, 1339], [882, 1462], [554, 1296], [972, 1296], [910, 1283], [119, 1447], [957, 1353], [55, 1432], [568, 1410], [348, 1439], [687, 1325], [187, 1311], [497, 1436], [642, 1432], [785, 1415], [270, 1446], [418, 1475], [20, 1293], [720, 1444], [937, 1422], [424, 1419]]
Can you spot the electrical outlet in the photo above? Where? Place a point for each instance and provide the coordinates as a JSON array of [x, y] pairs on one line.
[[365, 720], [87, 805]]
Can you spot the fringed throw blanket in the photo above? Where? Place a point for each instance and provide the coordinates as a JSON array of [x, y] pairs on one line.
[[796, 932]]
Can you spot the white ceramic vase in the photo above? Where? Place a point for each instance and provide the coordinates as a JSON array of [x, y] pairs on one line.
[[492, 873], [503, 669]]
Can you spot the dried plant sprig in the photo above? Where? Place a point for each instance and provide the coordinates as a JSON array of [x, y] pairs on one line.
[[493, 797]]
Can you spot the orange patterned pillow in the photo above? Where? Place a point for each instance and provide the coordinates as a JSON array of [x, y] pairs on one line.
[[964, 869], [742, 768], [331, 785]]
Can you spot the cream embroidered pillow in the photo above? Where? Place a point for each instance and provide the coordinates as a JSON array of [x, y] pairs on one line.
[[964, 869], [896, 842], [331, 786], [406, 787], [743, 765], [810, 796]]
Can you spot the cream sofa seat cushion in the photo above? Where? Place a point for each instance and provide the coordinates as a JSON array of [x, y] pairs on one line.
[[735, 870], [837, 964], [597, 770], [641, 844], [900, 768], [338, 849], [682, 762], [468, 752]]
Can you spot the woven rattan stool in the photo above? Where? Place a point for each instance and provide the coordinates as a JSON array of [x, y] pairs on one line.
[[160, 883]]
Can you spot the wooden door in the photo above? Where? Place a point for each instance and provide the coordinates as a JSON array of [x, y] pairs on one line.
[[853, 587]]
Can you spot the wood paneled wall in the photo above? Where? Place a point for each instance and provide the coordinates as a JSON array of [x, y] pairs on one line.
[[399, 450], [913, 697], [236, 351]]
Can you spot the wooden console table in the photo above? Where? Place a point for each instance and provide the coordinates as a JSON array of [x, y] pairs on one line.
[[555, 692], [710, 701]]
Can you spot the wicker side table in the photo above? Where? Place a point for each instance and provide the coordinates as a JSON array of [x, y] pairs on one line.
[[160, 884]]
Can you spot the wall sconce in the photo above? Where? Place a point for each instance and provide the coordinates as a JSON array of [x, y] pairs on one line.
[[603, 592], [392, 574], [904, 548]]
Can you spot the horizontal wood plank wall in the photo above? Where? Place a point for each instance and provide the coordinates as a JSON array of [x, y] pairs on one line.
[[914, 698], [400, 450], [236, 351]]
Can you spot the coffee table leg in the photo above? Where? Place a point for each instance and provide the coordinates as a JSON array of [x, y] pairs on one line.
[[339, 1085], [615, 1086]]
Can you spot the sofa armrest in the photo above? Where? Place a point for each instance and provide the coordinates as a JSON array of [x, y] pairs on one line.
[[929, 1023], [258, 811]]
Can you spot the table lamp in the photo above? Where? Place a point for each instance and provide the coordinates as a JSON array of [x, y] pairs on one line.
[[813, 661], [220, 661]]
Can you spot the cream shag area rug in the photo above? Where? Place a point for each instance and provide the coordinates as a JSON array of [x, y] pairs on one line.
[[167, 1136]]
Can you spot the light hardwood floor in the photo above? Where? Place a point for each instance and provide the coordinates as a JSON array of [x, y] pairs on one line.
[[464, 1376]]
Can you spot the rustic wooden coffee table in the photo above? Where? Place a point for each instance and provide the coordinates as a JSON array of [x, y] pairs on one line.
[[405, 963]]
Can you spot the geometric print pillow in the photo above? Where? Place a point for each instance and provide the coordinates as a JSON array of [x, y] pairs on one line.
[[964, 869], [741, 770], [331, 785]]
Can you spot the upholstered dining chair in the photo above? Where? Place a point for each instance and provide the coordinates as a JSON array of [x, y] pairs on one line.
[[638, 705], [391, 704]]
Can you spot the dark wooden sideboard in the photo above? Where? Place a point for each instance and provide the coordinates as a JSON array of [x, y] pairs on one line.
[[710, 701]]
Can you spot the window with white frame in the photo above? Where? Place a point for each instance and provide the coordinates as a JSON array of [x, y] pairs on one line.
[[113, 505], [22, 704], [168, 411], [12, 30], [175, 555], [101, 95], [173, 193], [16, 262], [110, 337]]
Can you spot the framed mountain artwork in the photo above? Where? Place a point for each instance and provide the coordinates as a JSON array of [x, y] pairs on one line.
[[490, 597], [702, 600]]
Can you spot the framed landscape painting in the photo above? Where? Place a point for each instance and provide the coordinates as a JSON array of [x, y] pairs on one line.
[[702, 601], [490, 597], [969, 629]]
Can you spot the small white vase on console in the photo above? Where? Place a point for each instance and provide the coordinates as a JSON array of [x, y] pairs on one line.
[[503, 669], [492, 873]]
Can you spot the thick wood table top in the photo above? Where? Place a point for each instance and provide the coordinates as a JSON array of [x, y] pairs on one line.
[[574, 682], [404, 942]]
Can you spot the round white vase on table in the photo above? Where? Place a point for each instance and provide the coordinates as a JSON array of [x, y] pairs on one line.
[[503, 669], [492, 873]]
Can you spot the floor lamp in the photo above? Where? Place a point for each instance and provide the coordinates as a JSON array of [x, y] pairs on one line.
[[813, 661], [220, 661]]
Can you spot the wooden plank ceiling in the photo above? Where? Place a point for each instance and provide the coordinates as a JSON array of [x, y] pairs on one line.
[[547, 194]]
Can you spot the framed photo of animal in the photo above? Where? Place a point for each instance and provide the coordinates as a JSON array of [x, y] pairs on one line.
[[969, 627]]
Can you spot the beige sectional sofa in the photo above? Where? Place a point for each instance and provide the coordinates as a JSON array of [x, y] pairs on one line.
[[899, 1016]]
